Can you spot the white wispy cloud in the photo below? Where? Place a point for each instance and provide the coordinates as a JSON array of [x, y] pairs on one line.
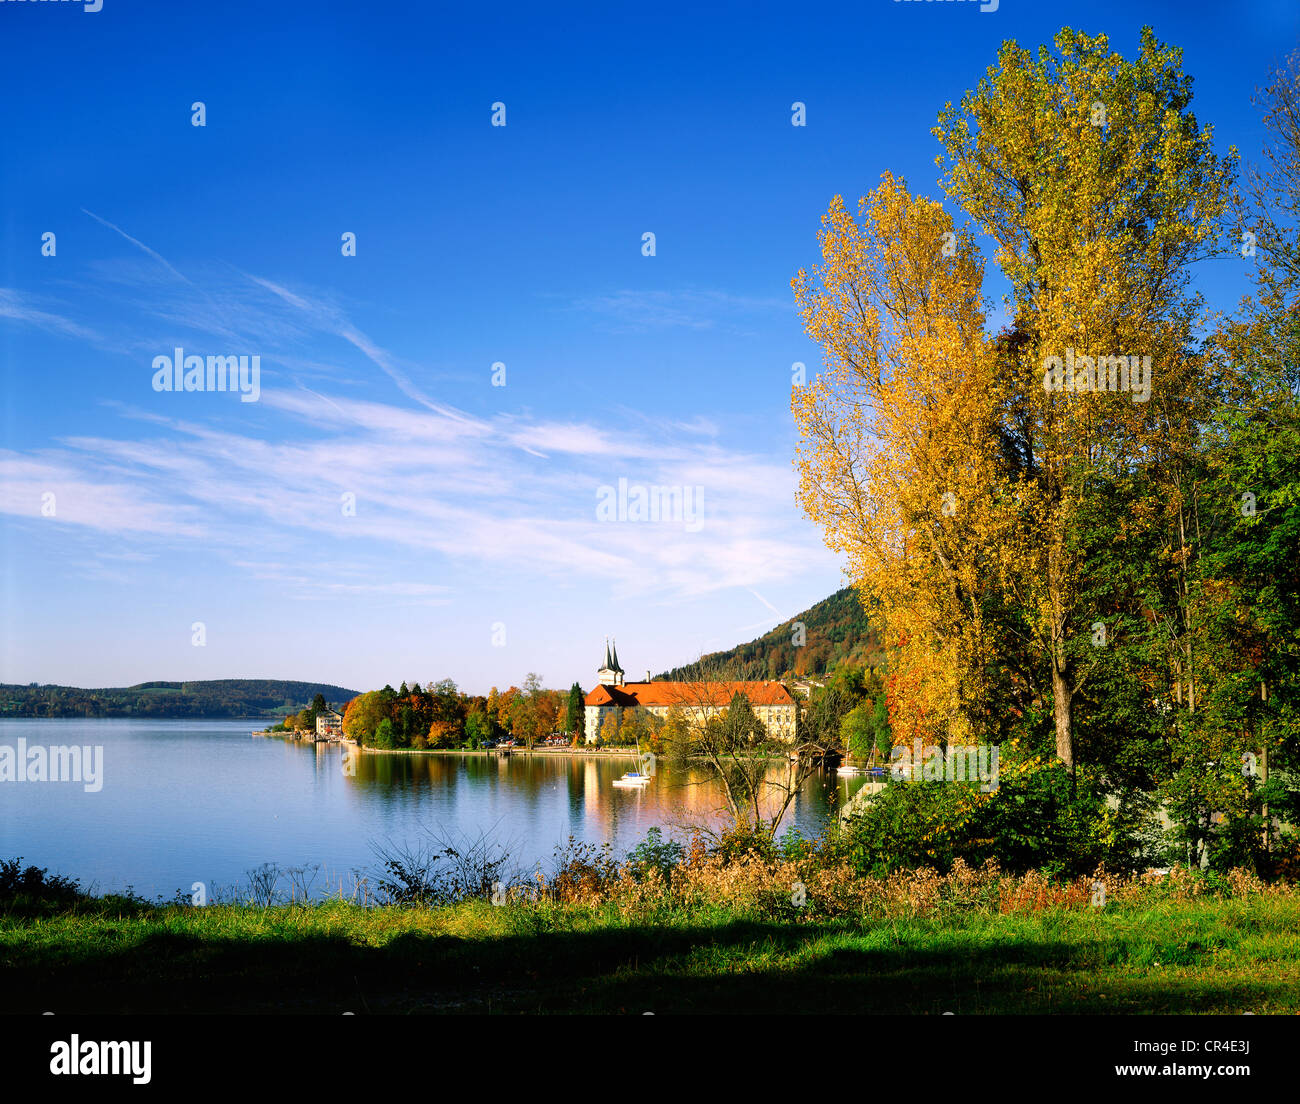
[[509, 494], [20, 308], [140, 245], [472, 496], [329, 319]]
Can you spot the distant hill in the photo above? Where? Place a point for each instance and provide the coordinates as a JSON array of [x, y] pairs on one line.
[[836, 629], [210, 698]]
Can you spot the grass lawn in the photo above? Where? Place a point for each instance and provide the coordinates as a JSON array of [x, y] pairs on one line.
[[1224, 955]]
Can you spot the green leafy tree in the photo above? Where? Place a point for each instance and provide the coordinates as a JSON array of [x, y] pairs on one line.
[[528, 716], [478, 729], [384, 735], [866, 728]]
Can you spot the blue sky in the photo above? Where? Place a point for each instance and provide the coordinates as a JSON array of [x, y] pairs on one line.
[[475, 504]]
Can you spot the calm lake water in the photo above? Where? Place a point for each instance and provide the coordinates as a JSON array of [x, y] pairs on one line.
[[204, 801]]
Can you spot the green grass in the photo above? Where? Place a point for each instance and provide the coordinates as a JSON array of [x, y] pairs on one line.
[[1206, 955]]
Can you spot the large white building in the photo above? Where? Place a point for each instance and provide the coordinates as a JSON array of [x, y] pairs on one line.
[[329, 724], [770, 700]]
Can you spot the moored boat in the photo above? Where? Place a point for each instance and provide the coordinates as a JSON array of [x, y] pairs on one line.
[[632, 779]]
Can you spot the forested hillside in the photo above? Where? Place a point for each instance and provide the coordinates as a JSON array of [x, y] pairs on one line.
[[212, 698], [835, 629]]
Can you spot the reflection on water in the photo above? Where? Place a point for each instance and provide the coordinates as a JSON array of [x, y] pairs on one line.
[[187, 801]]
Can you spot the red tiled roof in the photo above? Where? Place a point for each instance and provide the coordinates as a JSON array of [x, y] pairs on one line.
[[688, 694], [603, 695]]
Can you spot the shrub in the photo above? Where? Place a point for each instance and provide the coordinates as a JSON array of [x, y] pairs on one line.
[[443, 869], [584, 874], [21, 885], [655, 852], [1034, 820]]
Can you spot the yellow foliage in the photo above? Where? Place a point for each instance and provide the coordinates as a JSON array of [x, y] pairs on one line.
[[932, 455]]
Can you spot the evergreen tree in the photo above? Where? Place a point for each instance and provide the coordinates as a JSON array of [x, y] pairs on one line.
[[574, 714]]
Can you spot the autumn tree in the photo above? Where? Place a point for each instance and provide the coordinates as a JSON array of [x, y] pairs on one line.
[[637, 725], [503, 707], [655, 725], [363, 714], [951, 467], [1101, 190], [444, 733], [898, 437], [1271, 227], [677, 737], [530, 714], [547, 709]]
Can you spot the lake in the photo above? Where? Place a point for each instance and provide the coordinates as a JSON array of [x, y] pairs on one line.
[[204, 801]]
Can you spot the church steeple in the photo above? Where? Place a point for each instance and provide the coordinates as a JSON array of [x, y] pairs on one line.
[[610, 674]]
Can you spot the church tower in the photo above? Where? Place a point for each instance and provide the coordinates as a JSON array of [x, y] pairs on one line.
[[611, 674]]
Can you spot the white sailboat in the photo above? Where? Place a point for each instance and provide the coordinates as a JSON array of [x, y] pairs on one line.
[[634, 779]]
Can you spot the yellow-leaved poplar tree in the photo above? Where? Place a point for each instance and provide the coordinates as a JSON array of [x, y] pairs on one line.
[[950, 465], [896, 455]]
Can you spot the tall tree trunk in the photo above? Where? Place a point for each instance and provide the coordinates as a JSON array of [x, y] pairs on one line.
[[1263, 770], [1062, 669], [1062, 708]]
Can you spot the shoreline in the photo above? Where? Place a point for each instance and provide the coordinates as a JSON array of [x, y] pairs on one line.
[[345, 743], [492, 752], [603, 752]]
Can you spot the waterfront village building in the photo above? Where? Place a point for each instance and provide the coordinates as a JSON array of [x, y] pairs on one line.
[[329, 723], [771, 701]]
